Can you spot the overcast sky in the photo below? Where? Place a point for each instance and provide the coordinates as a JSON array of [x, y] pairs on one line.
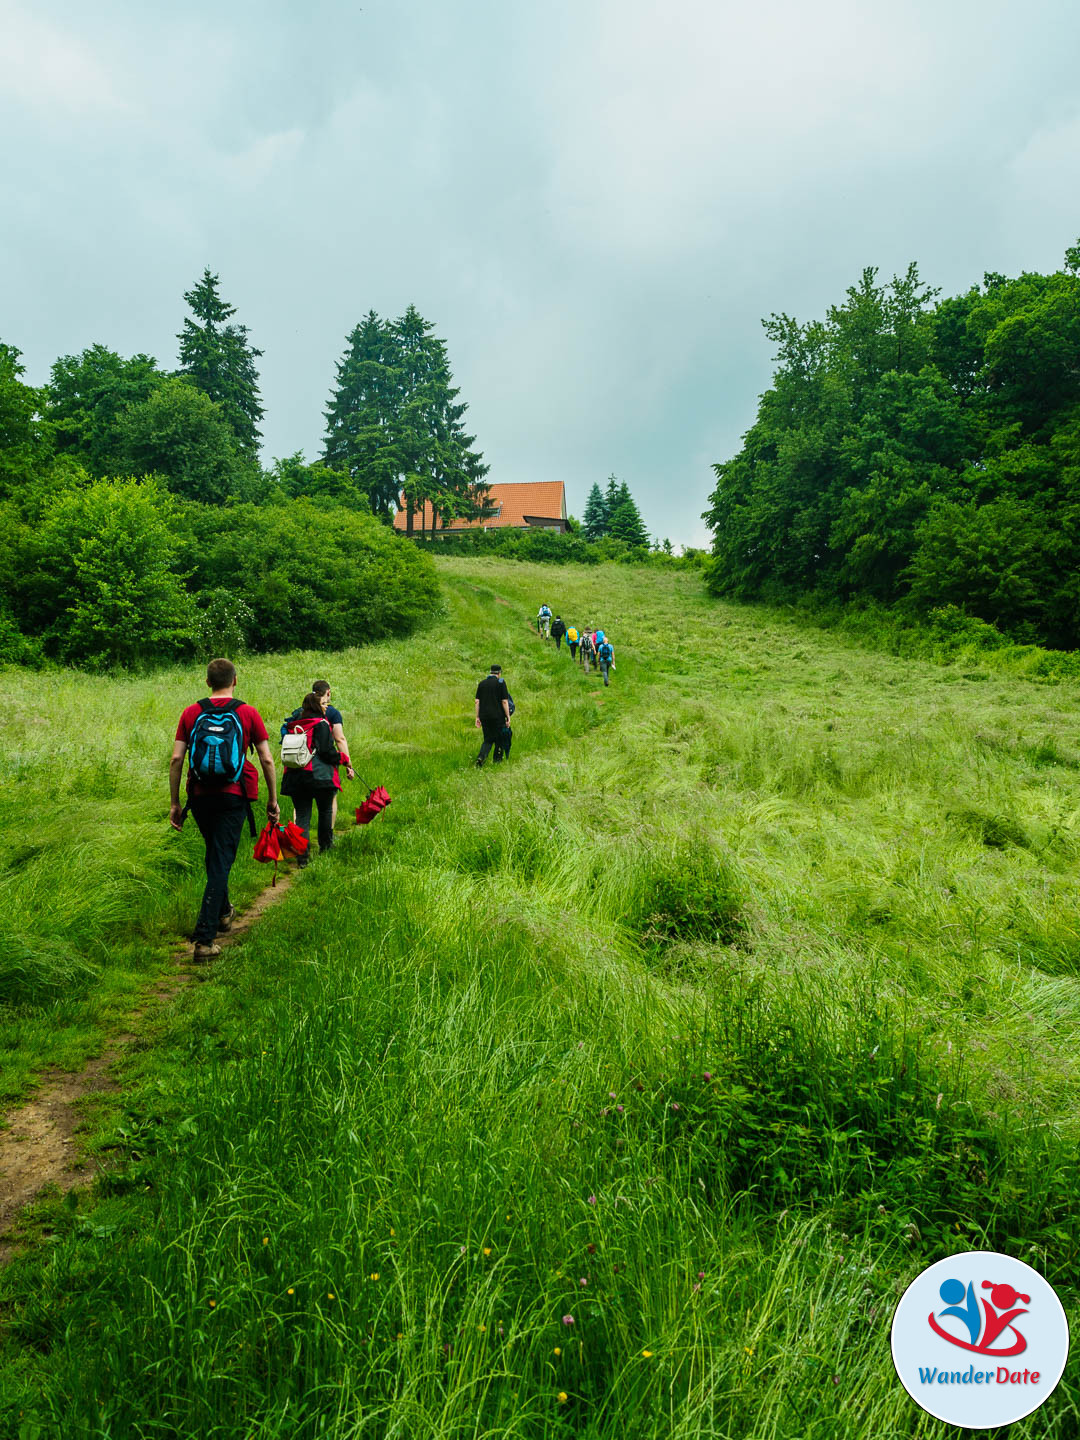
[[595, 201]]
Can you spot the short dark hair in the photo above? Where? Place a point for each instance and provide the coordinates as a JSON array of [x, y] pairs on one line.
[[320, 687], [220, 674], [496, 669]]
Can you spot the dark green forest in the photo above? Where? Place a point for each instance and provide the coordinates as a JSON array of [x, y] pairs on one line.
[[918, 452]]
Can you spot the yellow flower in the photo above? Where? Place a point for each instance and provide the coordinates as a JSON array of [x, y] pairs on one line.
[[212, 1304], [392, 1230], [266, 1239], [399, 1335], [563, 1397], [558, 1350], [374, 1274], [482, 1329], [647, 1354], [290, 1291], [330, 1295], [487, 1249]]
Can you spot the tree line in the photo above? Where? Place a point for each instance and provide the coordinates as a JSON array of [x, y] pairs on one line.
[[917, 451], [141, 524]]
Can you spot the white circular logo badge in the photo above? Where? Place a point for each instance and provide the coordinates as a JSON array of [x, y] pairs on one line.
[[979, 1340]]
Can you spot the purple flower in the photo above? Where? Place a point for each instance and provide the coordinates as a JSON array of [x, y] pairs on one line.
[[583, 1282], [611, 1095], [592, 1199], [568, 1319], [701, 1274], [707, 1075], [674, 1104], [619, 1108]]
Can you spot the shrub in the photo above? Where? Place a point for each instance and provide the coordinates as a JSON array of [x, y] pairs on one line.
[[311, 577], [100, 586]]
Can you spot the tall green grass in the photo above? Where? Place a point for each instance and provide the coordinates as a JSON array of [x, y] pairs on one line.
[[742, 993]]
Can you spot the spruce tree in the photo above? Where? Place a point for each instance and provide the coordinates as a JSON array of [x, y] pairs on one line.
[[594, 523], [626, 523], [611, 499], [362, 432], [220, 360]]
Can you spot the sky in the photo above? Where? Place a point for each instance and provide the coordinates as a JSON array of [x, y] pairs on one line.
[[595, 203]]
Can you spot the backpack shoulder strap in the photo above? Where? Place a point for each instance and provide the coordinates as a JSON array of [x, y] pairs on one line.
[[205, 706]]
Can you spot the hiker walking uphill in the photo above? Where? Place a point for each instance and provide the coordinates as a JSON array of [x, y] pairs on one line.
[[311, 758], [605, 655], [587, 649], [492, 713], [321, 689], [558, 630], [573, 637], [543, 621], [216, 735]]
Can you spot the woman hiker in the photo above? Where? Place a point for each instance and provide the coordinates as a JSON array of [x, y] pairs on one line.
[[313, 783]]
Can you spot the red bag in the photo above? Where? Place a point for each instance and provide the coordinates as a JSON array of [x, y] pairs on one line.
[[268, 845], [293, 839], [376, 801]]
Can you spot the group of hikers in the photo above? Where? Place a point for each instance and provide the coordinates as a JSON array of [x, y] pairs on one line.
[[588, 645], [216, 735]]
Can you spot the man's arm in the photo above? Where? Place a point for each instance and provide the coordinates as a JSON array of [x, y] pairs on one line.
[[176, 770], [342, 744], [478, 714], [266, 760]]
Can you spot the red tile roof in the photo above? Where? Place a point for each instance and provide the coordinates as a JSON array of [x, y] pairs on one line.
[[540, 499]]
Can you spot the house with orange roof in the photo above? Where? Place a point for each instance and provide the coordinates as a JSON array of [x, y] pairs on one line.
[[536, 505]]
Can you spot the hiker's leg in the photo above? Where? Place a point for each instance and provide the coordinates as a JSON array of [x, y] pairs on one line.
[[325, 801], [220, 819], [301, 805]]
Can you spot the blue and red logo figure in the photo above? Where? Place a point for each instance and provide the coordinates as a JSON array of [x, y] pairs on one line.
[[985, 1326]]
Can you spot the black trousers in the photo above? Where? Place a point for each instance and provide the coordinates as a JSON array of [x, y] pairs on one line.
[[493, 730], [220, 819], [302, 805], [558, 641]]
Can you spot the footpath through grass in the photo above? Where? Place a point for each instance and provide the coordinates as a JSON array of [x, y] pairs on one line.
[[618, 1092]]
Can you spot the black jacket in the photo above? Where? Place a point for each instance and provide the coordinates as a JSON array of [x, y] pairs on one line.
[[558, 627], [324, 761]]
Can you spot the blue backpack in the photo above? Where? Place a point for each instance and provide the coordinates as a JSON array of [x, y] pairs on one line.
[[605, 652], [216, 747]]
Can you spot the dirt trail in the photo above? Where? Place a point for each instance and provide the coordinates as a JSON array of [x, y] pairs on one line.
[[39, 1141]]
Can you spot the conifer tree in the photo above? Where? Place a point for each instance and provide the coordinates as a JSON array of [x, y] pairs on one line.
[[594, 523], [611, 499], [362, 433], [220, 360], [626, 523]]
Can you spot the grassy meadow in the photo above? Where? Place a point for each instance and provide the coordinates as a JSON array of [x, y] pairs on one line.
[[618, 1091]]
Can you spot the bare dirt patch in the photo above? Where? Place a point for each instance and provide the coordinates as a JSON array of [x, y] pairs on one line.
[[39, 1142]]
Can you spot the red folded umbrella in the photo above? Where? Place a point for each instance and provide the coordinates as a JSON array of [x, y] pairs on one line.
[[268, 847], [293, 839], [376, 801]]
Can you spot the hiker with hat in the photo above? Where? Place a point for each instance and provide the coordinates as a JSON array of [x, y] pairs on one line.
[[311, 758], [216, 734], [492, 713]]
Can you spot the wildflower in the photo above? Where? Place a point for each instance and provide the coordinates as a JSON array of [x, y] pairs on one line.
[[647, 1354], [500, 1332], [619, 1108], [592, 1199], [568, 1319], [612, 1095], [392, 1232], [508, 1215], [463, 1249], [591, 1249], [212, 1303], [266, 1239], [374, 1274], [836, 1379], [487, 1249], [701, 1274], [290, 1291], [482, 1329], [707, 1075], [674, 1104], [583, 1282], [558, 1349], [563, 1397], [330, 1295]]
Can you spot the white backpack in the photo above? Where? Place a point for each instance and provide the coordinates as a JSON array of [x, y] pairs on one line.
[[296, 753]]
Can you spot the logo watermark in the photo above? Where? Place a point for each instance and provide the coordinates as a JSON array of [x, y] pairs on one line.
[[979, 1340]]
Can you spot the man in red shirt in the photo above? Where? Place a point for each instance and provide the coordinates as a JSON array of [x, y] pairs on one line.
[[220, 798]]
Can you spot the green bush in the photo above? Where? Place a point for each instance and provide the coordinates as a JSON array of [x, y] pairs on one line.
[[98, 580], [311, 577]]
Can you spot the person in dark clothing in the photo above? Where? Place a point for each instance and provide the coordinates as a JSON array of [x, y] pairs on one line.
[[558, 630], [314, 783], [220, 804], [492, 713]]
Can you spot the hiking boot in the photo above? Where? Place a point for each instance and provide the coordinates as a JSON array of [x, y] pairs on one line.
[[226, 922], [205, 950]]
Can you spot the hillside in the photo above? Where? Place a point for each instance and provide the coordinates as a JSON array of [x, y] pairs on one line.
[[618, 1092]]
